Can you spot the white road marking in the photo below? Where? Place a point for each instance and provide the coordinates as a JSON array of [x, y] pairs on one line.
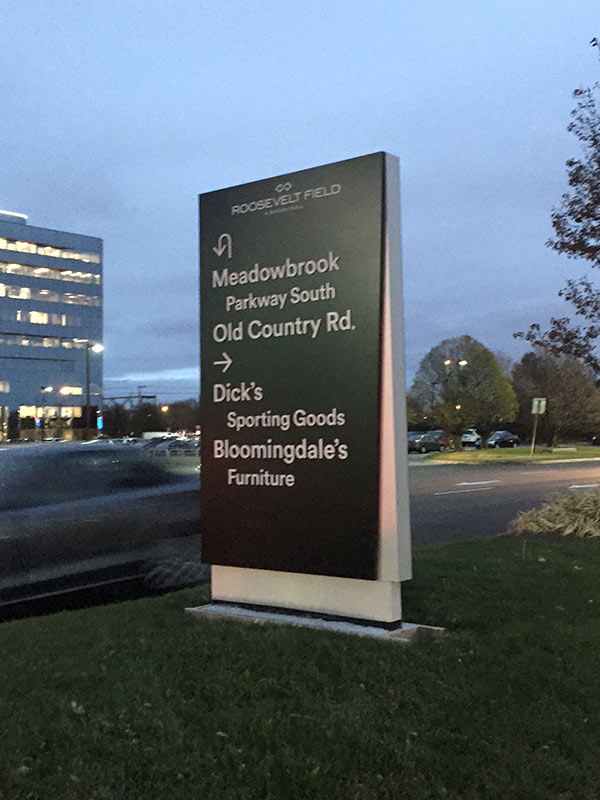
[[584, 486], [474, 483], [460, 491]]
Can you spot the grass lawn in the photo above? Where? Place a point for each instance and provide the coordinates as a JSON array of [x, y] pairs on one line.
[[138, 701], [514, 454]]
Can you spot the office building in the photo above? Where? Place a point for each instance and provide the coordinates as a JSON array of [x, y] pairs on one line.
[[50, 318]]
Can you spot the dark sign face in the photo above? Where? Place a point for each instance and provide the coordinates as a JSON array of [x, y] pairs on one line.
[[291, 293]]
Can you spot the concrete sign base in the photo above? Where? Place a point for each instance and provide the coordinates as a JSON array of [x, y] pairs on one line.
[[346, 597], [403, 632]]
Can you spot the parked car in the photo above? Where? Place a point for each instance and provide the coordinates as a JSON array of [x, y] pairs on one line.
[[471, 438], [176, 447], [414, 437], [73, 517], [433, 440], [502, 439]]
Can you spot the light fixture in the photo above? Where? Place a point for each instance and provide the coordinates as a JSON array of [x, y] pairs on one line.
[[14, 214]]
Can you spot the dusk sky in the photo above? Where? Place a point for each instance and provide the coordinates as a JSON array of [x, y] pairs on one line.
[[116, 115]]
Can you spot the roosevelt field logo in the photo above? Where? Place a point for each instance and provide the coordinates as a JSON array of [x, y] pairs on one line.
[[286, 198]]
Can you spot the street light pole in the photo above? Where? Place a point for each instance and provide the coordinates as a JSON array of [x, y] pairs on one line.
[[42, 417], [87, 390], [97, 348]]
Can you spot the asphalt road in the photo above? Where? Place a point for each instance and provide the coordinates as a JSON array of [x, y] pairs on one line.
[[453, 502], [448, 503]]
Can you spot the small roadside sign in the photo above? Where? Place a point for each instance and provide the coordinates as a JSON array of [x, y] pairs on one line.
[[538, 405]]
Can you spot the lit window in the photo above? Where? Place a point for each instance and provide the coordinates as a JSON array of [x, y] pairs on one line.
[[71, 390], [4, 386], [15, 292], [25, 293], [47, 250], [48, 273], [32, 340], [67, 412], [39, 318]]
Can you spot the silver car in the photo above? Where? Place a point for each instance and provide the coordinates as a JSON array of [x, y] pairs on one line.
[[471, 438], [73, 517]]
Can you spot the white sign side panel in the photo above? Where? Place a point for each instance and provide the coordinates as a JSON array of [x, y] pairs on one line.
[[395, 554], [347, 597]]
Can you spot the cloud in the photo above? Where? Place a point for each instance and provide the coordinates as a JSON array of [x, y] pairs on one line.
[[179, 374]]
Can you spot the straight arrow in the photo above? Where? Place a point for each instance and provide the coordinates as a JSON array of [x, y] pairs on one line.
[[226, 363]]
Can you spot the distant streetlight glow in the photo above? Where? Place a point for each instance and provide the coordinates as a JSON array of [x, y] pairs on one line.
[[462, 363], [164, 409], [447, 362]]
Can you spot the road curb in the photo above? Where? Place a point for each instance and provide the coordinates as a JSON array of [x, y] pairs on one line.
[[527, 462]]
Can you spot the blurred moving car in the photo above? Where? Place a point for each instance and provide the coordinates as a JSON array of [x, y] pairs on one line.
[[471, 438], [150, 444], [74, 517], [433, 440], [502, 439]]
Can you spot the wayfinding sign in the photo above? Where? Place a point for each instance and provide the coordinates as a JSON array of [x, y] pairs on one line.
[[292, 282]]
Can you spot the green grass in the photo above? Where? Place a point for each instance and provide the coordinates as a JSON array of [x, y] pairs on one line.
[[514, 454], [138, 701]]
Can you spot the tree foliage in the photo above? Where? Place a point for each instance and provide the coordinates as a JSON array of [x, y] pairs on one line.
[[416, 415], [576, 226], [455, 395], [183, 415], [122, 421], [573, 407]]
